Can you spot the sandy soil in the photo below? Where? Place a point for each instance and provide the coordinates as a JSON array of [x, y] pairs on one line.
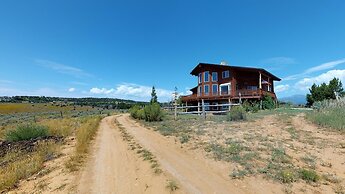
[[193, 173], [113, 168], [53, 178]]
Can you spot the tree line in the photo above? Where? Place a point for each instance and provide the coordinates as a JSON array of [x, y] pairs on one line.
[[324, 91]]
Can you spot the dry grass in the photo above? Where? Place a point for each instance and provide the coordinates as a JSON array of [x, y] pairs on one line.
[[61, 127], [9, 108], [85, 132], [16, 165]]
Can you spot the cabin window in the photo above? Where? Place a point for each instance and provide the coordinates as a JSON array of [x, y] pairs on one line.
[[199, 90], [200, 78], [214, 76], [206, 89], [214, 89], [225, 74], [206, 76]]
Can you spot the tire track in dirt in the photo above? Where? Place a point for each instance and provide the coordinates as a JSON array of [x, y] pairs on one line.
[[113, 168], [193, 174]]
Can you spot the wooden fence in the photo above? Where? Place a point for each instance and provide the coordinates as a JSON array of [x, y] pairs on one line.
[[201, 109]]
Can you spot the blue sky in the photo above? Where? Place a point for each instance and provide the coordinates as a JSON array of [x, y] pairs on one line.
[[121, 48]]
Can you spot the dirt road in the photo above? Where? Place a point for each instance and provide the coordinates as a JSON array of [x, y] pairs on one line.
[[115, 169]]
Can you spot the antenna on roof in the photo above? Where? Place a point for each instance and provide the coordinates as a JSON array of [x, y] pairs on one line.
[[224, 63]]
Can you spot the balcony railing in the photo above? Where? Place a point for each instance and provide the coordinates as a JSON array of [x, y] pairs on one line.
[[238, 93]]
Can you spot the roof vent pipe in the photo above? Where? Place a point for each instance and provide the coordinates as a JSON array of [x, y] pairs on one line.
[[223, 63]]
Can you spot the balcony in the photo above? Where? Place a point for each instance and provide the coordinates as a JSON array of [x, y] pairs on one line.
[[243, 93]]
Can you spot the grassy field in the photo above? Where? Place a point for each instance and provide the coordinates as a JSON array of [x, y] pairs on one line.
[[280, 145], [22, 123], [329, 113], [9, 108]]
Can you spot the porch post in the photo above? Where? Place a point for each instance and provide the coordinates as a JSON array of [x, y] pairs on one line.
[[203, 108], [260, 86], [229, 104]]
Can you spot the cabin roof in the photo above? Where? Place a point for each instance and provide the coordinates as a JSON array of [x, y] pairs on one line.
[[196, 70]]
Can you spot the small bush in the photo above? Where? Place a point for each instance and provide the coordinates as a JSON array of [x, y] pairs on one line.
[[251, 106], [26, 132], [153, 112], [172, 185], [134, 111], [287, 176], [184, 138], [237, 113], [309, 175], [267, 102]]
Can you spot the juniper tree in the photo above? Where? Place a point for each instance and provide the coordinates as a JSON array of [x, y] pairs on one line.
[[153, 96]]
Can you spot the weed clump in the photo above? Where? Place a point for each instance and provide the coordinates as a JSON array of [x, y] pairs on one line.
[[237, 113], [172, 185], [26, 132], [309, 175]]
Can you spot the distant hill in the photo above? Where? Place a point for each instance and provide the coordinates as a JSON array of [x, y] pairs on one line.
[[294, 99], [94, 102]]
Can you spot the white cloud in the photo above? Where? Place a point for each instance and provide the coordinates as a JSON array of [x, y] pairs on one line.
[[305, 83], [61, 68], [71, 89], [280, 61], [324, 66], [101, 91], [281, 88], [133, 91]]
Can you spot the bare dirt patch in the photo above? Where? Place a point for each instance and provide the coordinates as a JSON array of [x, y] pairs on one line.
[[115, 168]]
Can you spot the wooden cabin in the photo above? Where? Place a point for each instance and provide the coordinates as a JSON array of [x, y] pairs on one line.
[[221, 84]]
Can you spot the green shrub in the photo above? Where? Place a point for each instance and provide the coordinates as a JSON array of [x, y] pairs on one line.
[[237, 113], [184, 138], [287, 176], [153, 112], [309, 175], [251, 106], [267, 102], [26, 132], [134, 111]]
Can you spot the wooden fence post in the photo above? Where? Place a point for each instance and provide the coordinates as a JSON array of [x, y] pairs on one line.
[[203, 108], [198, 108], [175, 114]]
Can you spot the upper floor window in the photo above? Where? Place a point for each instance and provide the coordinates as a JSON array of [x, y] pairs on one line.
[[225, 74], [206, 76], [206, 89], [200, 80], [214, 76]]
